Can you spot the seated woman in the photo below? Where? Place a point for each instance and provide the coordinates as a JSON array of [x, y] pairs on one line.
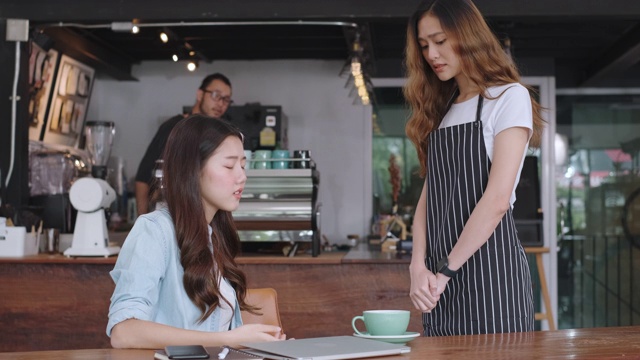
[[177, 282]]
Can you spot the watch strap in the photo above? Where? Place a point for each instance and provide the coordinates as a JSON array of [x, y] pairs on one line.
[[443, 268], [447, 272]]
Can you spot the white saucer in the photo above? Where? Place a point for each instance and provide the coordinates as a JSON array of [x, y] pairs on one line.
[[395, 339]]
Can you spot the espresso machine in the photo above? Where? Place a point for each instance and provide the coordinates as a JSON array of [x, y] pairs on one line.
[[90, 196], [279, 210]]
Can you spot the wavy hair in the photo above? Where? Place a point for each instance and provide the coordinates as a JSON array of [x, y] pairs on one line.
[[190, 144], [482, 59]]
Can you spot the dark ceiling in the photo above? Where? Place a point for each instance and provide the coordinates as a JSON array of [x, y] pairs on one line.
[[581, 42]]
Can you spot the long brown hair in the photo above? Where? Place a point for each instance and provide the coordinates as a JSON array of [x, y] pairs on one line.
[[482, 59], [189, 146]]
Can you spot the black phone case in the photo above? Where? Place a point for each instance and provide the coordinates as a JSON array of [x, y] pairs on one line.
[[186, 352]]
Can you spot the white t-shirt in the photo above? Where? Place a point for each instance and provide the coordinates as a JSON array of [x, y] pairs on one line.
[[511, 109], [226, 312], [226, 291]]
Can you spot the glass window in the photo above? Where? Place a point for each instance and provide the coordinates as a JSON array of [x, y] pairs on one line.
[[390, 145], [595, 179]]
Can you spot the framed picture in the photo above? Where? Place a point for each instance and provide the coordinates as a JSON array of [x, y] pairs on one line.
[[72, 90], [42, 66]]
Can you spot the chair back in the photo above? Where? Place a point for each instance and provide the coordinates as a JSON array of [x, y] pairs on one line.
[[267, 300]]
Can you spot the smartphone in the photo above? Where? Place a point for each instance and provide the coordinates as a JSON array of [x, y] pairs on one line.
[[186, 352]]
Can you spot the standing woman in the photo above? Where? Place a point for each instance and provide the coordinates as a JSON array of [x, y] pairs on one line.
[[177, 282], [471, 124]]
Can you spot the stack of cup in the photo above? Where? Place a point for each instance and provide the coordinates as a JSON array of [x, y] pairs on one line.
[[261, 159], [248, 157], [283, 159], [303, 159]]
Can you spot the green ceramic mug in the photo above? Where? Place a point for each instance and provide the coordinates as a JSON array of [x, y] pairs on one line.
[[283, 159], [383, 322]]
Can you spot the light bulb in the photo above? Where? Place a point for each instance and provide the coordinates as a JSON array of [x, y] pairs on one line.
[[191, 66], [164, 37], [174, 57], [135, 29]]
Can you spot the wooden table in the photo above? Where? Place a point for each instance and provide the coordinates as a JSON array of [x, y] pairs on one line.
[[596, 343]]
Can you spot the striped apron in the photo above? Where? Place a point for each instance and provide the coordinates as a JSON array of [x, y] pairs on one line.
[[492, 292]]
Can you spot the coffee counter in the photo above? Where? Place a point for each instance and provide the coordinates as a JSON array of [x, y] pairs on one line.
[[50, 302]]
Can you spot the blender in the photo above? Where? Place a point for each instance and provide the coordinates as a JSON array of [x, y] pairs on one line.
[[99, 138], [91, 195]]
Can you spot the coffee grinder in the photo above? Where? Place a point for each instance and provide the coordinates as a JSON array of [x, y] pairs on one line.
[[91, 195]]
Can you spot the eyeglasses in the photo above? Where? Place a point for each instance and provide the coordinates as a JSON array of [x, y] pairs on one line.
[[217, 96]]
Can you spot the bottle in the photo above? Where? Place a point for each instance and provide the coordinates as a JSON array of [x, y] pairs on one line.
[[267, 137], [157, 200]]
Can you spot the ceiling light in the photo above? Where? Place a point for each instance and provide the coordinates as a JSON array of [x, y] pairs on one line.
[[164, 37], [174, 57], [192, 65], [135, 29]]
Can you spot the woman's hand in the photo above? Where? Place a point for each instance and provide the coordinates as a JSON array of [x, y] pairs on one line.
[[441, 283], [424, 288], [253, 333]]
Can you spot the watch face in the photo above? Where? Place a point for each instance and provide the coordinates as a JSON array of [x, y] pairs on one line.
[[444, 262]]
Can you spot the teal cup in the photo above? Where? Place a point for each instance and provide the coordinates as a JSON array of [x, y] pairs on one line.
[[261, 159], [280, 159], [383, 322]]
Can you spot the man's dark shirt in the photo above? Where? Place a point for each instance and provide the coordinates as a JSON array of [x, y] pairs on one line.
[[155, 149]]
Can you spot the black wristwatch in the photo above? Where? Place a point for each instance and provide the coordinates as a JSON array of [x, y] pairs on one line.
[[443, 268]]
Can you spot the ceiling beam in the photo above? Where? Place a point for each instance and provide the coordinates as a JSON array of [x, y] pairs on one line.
[[98, 11], [622, 55], [91, 53]]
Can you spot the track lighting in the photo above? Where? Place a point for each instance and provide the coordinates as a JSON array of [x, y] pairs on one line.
[[122, 26], [125, 26], [355, 70]]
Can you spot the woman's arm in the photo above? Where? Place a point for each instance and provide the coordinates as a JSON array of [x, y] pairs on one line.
[[141, 334], [423, 281], [509, 147]]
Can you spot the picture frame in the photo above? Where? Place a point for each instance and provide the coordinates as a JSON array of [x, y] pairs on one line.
[[42, 67], [70, 100]]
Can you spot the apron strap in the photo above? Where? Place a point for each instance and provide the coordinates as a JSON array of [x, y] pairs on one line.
[[479, 109], [453, 98]]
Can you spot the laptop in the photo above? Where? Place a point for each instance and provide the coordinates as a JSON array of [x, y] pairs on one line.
[[324, 348]]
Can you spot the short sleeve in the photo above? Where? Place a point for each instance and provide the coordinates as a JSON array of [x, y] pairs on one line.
[[138, 272], [513, 109]]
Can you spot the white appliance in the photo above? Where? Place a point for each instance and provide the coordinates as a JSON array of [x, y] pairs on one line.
[[90, 196]]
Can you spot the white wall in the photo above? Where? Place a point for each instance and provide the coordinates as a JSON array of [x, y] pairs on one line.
[[322, 118]]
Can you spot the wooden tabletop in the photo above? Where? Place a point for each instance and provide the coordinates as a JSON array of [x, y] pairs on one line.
[[596, 343]]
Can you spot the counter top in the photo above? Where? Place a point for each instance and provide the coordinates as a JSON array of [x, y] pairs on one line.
[[54, 302], [57, 259], [360, 254], [356, 255]]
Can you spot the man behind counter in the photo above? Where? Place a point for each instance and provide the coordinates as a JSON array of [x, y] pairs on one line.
[[212, 99]]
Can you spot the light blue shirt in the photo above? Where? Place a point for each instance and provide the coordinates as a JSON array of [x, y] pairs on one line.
[[148, 277]]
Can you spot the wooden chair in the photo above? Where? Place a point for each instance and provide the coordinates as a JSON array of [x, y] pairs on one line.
[[548, 314], [267, 300]]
